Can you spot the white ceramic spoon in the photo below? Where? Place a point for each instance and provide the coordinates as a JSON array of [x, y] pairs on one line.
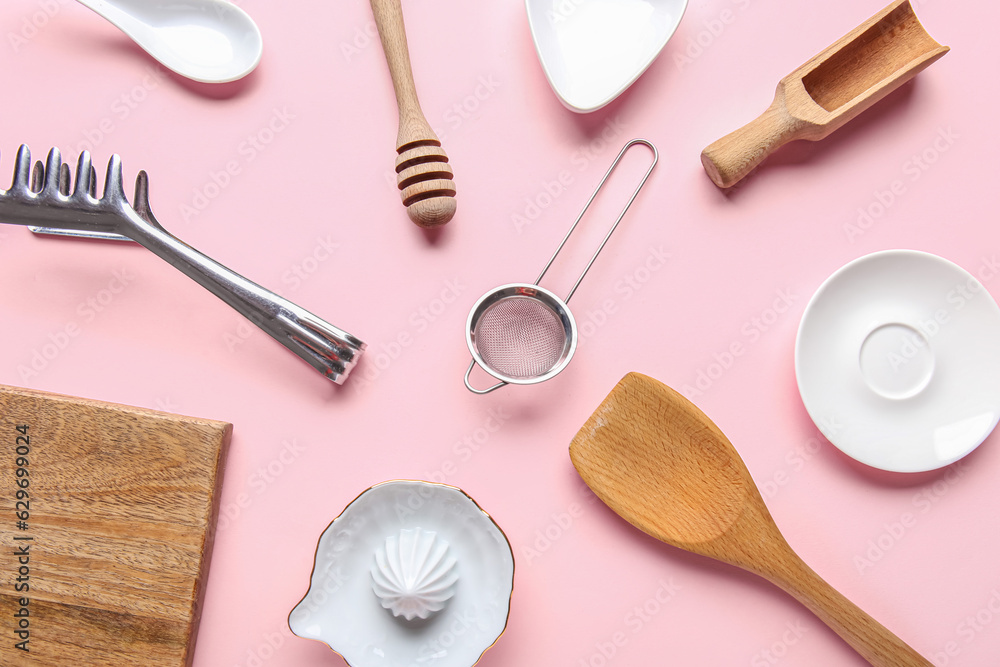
[[212, 41], [592, 50]]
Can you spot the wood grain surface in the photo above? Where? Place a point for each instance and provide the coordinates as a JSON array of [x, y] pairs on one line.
[[660, 463], [423, 174], [832, 88], [105, 558]]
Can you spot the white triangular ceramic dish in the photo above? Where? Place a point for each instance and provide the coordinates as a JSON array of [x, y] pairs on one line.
[[593, 50]]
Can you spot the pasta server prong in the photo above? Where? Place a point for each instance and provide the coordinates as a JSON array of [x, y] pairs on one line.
[[43, 200]]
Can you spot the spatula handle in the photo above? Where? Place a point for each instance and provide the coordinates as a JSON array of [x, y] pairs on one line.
[[865, 635], [731, 158]]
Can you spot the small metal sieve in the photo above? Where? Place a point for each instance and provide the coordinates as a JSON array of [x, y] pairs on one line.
[[524, 334]]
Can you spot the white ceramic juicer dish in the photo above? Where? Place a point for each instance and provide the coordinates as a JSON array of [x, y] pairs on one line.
[[411, 573]]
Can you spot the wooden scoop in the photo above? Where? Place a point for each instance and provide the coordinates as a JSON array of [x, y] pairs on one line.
[[857, 71], [422, 171], [662, 465]]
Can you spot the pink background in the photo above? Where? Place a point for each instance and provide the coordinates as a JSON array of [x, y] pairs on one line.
[[313, 214]]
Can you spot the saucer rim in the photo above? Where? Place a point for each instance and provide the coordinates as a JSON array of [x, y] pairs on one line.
[[817, 297]]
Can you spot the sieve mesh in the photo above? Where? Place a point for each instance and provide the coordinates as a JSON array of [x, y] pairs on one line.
[[520, 337]]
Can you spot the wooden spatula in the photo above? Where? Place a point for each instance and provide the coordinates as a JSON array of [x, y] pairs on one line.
[[857, 71], [661, 464]]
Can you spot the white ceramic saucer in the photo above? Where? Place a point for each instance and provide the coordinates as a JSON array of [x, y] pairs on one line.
[[592, 50], [898, 361], [410, 573]]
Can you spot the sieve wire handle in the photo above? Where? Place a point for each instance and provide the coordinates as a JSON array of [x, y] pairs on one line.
[[587, 206], [479, 391]]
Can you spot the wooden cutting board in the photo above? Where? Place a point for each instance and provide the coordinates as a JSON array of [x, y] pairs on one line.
[[107, 516]]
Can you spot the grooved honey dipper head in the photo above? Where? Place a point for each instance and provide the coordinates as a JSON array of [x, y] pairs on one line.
[[424, 178]]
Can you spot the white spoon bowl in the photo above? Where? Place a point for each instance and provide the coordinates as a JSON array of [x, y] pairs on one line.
[[211, 41], [593, 50]]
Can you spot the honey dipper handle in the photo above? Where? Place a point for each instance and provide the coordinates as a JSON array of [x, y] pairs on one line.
[[865, 635], [731, 158], [389, 19]]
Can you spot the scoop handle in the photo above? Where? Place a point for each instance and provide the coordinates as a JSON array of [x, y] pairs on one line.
[[864, 634], [731, 158]]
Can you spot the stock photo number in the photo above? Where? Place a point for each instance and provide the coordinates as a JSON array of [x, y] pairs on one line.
[[22, 540]]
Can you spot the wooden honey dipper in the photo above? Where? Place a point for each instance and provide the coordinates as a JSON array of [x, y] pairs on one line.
[[422, 171]]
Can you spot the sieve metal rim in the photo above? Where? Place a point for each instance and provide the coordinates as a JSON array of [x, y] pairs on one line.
[[531, 291]]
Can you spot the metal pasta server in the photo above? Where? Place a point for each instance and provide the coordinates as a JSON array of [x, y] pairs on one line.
[[524, 334], [43, 201]]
